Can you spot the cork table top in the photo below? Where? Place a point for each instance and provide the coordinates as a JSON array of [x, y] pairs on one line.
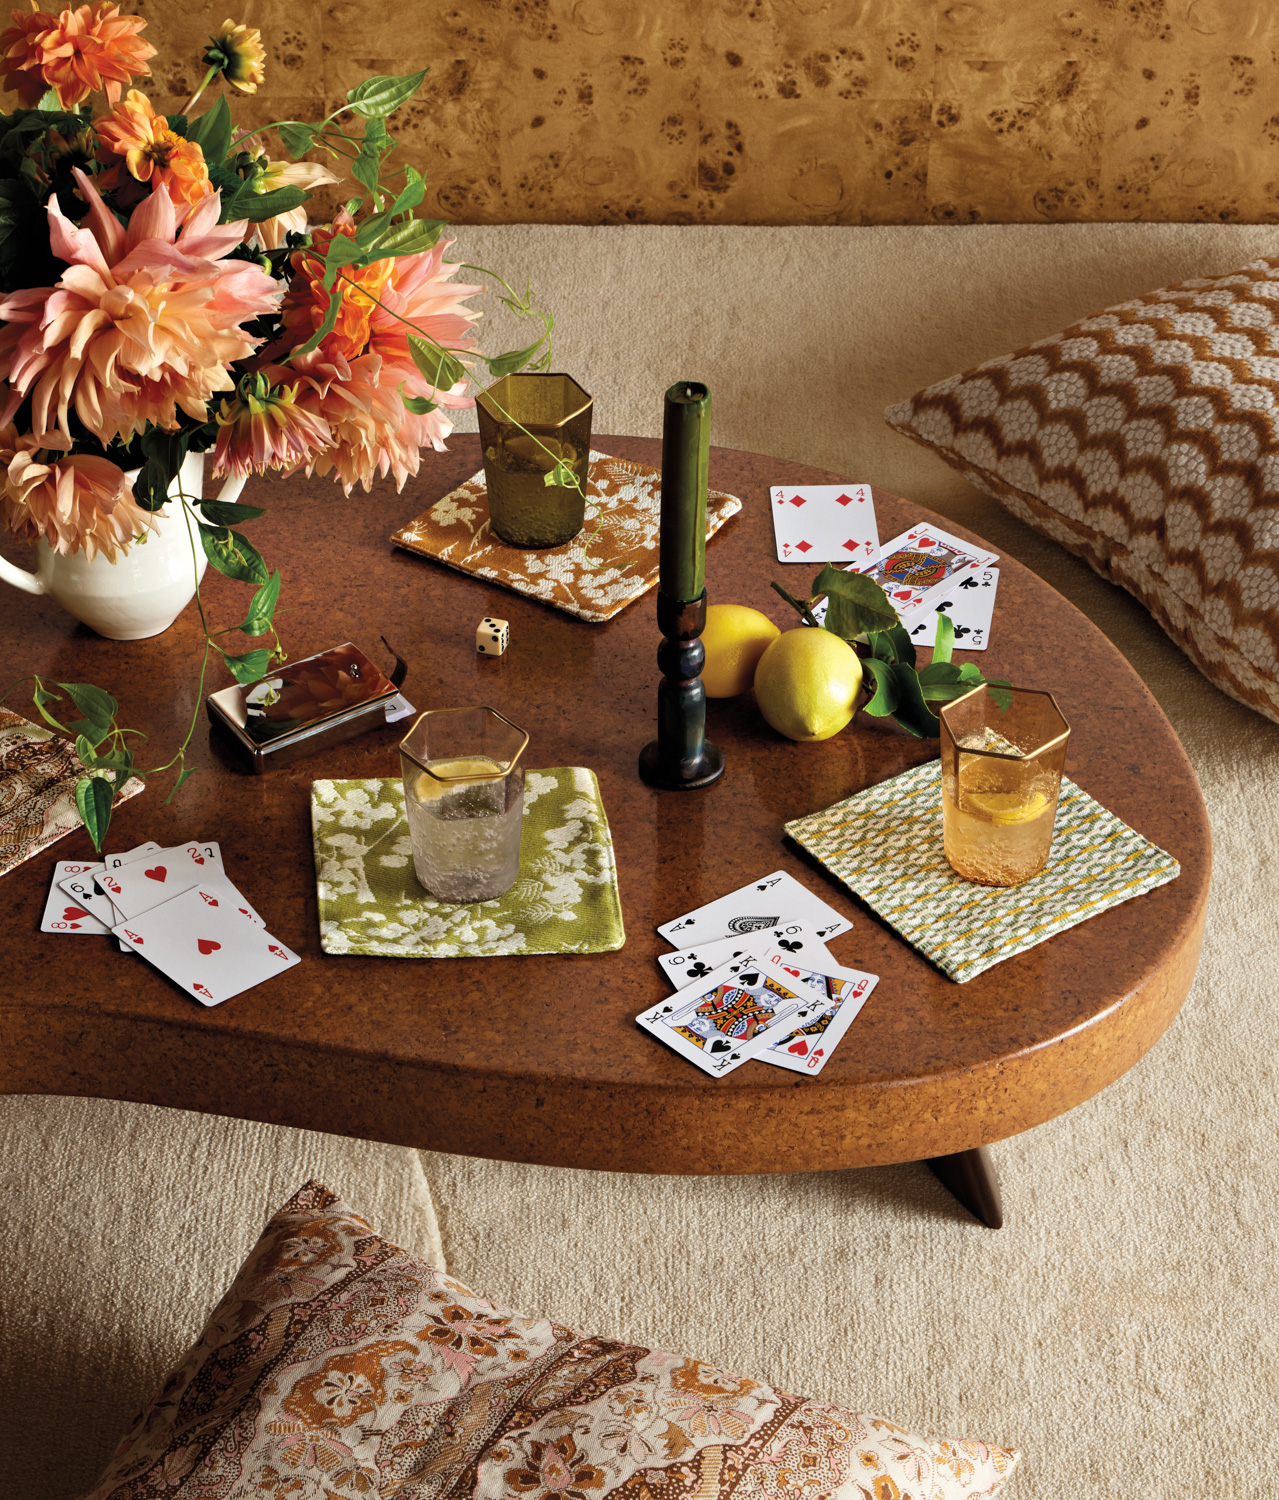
[[537, 1059]]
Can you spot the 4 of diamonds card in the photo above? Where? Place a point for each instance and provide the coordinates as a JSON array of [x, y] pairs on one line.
[[825, 523], [921, 560], [729, 1018], [969, 601], [772, 901]]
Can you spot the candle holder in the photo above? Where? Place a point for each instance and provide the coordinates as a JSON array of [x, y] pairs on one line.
[[681, 757]]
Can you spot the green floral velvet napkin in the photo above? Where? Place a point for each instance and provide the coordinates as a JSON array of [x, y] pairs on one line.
[[564, 901], [885, 844]]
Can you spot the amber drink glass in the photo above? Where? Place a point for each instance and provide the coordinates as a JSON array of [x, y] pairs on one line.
[[528, 425], [1000, 776], [464, 800]]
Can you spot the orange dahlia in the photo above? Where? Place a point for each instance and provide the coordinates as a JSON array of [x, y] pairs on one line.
[[76, 53], [306, 302], [76, 502], [263, 429], [151, 151]]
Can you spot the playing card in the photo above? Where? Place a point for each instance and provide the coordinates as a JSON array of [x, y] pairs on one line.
[[825, 523], [729, 1017], [114, 862], [691, 964], [772, 901], [969, 601], [921, 560], [807, 1048], [398, 708], [64, 913], [206, 945], [85, 892], [144, 883]]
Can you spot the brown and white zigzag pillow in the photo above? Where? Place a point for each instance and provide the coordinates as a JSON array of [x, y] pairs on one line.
[[1146, 440]]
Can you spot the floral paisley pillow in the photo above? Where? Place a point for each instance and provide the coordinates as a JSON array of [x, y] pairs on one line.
[[1146, 440], [339, 1366]]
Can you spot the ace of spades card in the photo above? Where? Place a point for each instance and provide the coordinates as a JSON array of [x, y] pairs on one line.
[[729, 1018], [771, 901]]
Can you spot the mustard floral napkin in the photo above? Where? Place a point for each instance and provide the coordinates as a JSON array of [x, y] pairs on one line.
[[38, 775], [593, 583], [885, 844], [564, 901]]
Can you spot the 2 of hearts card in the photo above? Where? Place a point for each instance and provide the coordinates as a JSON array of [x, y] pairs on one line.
[[824, 523], [177, 908]]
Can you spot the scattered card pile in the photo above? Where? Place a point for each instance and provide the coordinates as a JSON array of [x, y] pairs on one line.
[[176, 908], [759, 981]]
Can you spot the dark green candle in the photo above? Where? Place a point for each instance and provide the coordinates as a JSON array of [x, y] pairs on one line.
[[686, 445]]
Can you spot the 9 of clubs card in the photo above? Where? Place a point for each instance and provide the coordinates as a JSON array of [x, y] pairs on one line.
[[730, 1016], [690, 964], [825, 523]]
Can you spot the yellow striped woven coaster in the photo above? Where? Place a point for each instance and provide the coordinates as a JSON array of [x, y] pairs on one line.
[[885, 844]]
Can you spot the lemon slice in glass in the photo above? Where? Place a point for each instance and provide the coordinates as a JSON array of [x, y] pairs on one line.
[[1005, 808], [427, 788]]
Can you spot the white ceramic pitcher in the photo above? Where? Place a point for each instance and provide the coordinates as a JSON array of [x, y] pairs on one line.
[[150, 583]]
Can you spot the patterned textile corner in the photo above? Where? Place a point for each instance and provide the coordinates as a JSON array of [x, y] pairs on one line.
[[885, 844], [565, 899], [622, 560], [38, 775], [339, 1365]]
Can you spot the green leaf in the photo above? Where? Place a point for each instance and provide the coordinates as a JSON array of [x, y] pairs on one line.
[[940, 671], [944, 643], [411, 237], [218, 513], [49, 101], [262, 610], [93, 798], [248, 667], [855, 605], [212, 132], [120, 761], [903, 646], [562, 475], [999, 691], [42, 697], [178, 124], [232, 554], [183, 776], [255, 207], [367, 166], [93, 733], [418, 405], [883, 700], [912, 712], [380, 96], [298, 140], [98, 707], [507, 364], [441, 369]]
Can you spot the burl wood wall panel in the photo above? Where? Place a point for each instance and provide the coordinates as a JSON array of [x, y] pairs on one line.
[[794, 111]]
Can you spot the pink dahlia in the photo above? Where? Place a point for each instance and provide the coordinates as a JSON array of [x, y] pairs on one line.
[[357, 379], [76, 502], [263, 429], [144, 320]]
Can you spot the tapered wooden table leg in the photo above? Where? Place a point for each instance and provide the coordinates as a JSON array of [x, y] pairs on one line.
[[970, 1177]]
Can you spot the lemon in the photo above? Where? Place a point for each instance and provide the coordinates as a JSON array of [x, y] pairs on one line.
[[735, 638], [807, 683], [1005, 808]]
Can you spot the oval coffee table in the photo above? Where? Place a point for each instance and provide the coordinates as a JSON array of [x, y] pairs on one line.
[[537, 1059]]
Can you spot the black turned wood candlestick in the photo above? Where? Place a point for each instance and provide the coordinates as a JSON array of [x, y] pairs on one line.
[[681, 757]]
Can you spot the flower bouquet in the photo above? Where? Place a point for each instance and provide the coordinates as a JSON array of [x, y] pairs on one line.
[[161, 294]]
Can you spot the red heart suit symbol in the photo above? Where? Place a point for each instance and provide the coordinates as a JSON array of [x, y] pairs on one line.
[[73, 913], [199, 858], [159, 873], [207, 945], [799, 1048]]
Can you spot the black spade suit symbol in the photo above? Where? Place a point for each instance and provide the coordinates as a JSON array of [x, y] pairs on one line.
[[749, 979], [720, 1046]]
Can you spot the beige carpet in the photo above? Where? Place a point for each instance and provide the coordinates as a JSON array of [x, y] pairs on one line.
[[1122, 1328]]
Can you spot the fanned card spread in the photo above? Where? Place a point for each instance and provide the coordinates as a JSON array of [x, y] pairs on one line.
[[565, 899], [38, 775], [885, 844], [593, 582]]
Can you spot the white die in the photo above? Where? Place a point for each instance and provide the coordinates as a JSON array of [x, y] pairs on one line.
[[491, 636]]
